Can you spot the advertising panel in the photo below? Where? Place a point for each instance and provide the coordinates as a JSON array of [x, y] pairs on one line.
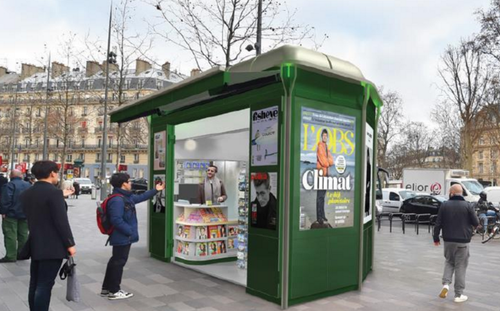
[[160, 143], [368, 189], [265, 136], [159, 198], [264, 202], [327, 169]]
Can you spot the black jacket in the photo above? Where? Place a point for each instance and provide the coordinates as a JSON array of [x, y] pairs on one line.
[[456, 218], [46, 211], [10, 205]]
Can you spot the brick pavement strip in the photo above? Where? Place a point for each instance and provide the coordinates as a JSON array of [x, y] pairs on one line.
[[407, 276]]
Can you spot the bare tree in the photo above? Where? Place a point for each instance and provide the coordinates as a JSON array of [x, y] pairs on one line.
[[217, 32], [389, 122], [490, 30], [466, 83], [448, 134]]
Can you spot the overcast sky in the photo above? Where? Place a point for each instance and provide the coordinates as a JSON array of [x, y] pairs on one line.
[[395, 43]]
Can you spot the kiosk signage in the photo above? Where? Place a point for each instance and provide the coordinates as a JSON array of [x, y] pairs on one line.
[[265, 136], [159, 150], [368, 190], [327, 165], [159, 198]]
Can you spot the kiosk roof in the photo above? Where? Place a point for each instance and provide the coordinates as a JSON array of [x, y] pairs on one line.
[[258, 67]]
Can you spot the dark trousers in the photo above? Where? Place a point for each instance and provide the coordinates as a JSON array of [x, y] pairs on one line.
[[320, 205], [43, 274], [114, 270]]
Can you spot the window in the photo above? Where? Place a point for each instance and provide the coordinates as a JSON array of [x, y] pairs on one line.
[[493, 154], [494, 167], [110, 141], [122, 158], [83, 141], [39, 112], [98, 157], [392, 196], [481, 141], [82, 156], [134, 173], [480, 168], [26, 142], [69, 158], [99, 142], [480, 155], [84, 113], [110, 157]]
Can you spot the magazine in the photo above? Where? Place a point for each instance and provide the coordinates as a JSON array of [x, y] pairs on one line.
[[180, 229], [201, 249], [201, 233], [186, 248], [232, 231], [212, 248], [231, 243], [180, 247], [214, 232], [222, 231], [187, 232], [221, 245]]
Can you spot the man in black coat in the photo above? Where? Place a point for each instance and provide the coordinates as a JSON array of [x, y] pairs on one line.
[[50, 239]]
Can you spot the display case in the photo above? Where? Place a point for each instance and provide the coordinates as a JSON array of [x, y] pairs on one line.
[[204, 232], [242, 253]]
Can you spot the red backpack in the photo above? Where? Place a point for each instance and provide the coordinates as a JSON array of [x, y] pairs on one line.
[[103, 221]]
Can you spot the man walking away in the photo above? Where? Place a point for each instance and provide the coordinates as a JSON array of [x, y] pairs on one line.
[[50, 239], [14, 225], [123, 217], [456, 218]]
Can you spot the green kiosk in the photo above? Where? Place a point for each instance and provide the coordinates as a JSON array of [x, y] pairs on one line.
[[270, 170]]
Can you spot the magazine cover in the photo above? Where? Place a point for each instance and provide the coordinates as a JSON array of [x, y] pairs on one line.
[[221, 245], [368, 190], [201, 233], [231, 243], [180, 230], [232, 231], [222, 231], [185, 250], [180, 247], [327, 166], [159, 198], [264, 202], [212, 248], [265, 136], [187, 232], [201, 249], [214, 232], [160, 143]]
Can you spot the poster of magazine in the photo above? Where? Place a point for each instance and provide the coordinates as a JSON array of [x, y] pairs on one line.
[[327, 166], [159, 198], [368, 189], [159, 150], [265, 136], [263, 200]]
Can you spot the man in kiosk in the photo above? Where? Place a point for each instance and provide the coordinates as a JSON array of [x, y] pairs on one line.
[[324, 161], [212, 189]]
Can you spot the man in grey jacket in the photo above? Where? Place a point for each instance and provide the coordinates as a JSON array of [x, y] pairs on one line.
[[456, 219]]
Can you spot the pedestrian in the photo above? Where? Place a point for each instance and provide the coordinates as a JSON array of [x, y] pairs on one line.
[[123, 217], [14, 225], [76, 186], [456, 219], [3, 181], [50, 239]]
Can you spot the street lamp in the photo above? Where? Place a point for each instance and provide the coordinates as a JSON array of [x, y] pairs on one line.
[[14, 123], [45, 132]]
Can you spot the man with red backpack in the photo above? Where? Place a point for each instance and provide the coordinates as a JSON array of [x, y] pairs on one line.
[[123, 217]]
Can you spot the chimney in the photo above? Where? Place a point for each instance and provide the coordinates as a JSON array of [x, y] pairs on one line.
[[141, 66], [112, 67], [27, 70], [195, 72], [166, 69], [3, 71], [58, 69], [92, 68]]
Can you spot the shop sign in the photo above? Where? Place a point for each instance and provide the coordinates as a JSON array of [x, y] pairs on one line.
[[265, 136], [159, 150], [327, 169], [264, 200], [21, 167]]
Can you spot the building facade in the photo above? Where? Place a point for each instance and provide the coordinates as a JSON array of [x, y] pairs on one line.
[[74, 102]]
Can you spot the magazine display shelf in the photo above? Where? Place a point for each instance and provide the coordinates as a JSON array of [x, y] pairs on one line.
[[218, 239]]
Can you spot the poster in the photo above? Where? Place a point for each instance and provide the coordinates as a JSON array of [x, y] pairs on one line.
[[160, 143], [368, 189], [159, 198], [264, 202], [327, 163], [265, 136]]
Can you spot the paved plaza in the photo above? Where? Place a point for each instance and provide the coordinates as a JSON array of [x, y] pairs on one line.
[[407, 276]]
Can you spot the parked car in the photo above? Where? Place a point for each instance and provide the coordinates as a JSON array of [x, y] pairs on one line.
[[139, 185], [422, 204], [86, 185], [392, 199]]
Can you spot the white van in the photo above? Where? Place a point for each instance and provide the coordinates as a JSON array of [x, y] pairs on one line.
[[392, 199], [493, 195]]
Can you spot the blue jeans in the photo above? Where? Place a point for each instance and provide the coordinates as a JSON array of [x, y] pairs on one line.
[[42, 278], [484, 219]]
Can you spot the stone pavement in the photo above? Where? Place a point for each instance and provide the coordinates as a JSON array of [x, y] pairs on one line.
[[407, 276]]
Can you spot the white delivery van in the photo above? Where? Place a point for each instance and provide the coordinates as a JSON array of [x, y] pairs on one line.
[[439, 181], [493, 195]]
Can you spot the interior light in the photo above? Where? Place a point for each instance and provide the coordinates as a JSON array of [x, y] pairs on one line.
[[190, 145]]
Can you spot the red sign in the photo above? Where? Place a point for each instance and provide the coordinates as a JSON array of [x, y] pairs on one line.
[[21, 167], [122, 167], [1, 160], [68, 166], [58, 166]]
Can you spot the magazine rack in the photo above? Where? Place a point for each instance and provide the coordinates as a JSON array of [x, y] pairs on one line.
[[203, 233]]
